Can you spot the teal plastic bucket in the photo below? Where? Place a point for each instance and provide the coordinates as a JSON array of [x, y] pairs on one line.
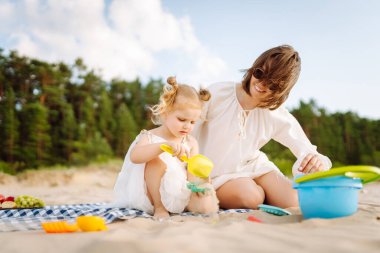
[[330, 197]]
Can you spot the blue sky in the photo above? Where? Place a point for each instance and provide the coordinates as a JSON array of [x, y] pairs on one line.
[[203, 42]]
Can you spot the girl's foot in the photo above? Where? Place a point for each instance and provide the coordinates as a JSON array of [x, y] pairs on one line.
[[204, 203], [160, 214]]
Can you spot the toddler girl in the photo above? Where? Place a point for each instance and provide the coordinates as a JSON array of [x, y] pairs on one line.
[[155, 181]]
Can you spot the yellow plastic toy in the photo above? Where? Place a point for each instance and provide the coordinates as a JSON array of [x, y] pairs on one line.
[[198, 165], [84, 223], [59, 227], [91, 223]]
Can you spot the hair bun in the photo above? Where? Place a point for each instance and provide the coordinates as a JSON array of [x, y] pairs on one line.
[[204, 94], [172, 80]]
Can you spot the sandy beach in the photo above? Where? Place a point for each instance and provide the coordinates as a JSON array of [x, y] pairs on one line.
[[226, 233]]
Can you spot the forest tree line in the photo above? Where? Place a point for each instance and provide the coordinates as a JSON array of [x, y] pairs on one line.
[[60, 114]]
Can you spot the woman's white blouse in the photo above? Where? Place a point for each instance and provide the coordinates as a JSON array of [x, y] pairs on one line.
[[232, 137]]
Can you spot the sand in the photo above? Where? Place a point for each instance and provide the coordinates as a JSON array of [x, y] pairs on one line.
[[226, 233]]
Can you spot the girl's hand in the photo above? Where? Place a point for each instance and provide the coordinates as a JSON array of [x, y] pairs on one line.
[[179, 149], [310, 164]]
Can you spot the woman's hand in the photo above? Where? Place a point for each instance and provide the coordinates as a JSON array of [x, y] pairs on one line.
[[310, 164], [179, 150]]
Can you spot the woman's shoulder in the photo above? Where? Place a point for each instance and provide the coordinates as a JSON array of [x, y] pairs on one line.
[[281, 110], [280, 114], [221, 92]]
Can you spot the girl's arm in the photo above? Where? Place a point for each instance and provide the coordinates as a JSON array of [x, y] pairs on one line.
[[144, 151]]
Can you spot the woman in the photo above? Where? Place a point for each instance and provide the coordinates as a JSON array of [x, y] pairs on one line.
[[241, 118]]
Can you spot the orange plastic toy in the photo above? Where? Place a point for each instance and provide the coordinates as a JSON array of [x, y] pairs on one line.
[[59, 227], [91, 223], [84, 223]]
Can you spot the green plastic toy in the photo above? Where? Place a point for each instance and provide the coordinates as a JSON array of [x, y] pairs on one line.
[[273, 210], [365, 173], [194, 188]]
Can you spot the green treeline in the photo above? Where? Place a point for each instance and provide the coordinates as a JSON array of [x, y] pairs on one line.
[[345, 138], [54, 113], [59, 114]]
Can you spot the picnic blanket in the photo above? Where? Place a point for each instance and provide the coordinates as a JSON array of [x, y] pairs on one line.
[[30, 219]]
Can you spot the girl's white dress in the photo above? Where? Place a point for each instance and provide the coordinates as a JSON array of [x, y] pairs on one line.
[[130, 189], [232, 137]]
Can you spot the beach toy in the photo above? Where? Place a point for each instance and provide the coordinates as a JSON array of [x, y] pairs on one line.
[[59, 227], [84, 223], [273, 210], [194, 188], [366, 173], [254, 219], [91, 223], [198, 165], [333, 193]]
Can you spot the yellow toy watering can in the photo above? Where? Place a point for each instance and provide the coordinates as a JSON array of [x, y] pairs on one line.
[[198, 165]]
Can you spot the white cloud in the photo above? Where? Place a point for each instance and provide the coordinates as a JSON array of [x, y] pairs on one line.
[[123, 40]]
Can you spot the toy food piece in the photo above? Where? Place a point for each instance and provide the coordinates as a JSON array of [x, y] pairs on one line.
[[9, 198], [59, 227], [84, 223], [8, 204], [25, 201], [91, 223], [2, 198]]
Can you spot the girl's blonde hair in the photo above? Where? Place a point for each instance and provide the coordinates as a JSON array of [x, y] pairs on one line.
[[177, 96], [277, 68]]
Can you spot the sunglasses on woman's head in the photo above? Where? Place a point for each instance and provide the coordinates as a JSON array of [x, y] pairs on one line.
[[258, 73]]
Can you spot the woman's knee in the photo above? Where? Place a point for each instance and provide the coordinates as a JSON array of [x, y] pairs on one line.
[[292, 200], [249, 199], [252, 198]]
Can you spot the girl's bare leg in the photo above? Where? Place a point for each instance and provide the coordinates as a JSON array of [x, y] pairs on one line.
[[154, 170], [278, 190], [240, 193]]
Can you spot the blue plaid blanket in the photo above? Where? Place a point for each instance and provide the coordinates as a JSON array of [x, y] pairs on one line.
[[30, 219]]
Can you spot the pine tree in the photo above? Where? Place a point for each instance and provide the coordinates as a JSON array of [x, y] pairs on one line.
[[126, 130], [68, 132], [36, 141], [9, 127], [88, 121], [105, 117]]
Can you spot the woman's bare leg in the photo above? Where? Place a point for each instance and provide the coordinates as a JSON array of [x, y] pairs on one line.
[[240, 193], [154, 170], [278, 190]]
